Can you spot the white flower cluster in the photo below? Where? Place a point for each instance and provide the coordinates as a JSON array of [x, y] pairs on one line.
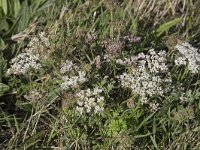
[[74, 81], [155, 62], [34, 95], [40, 45], [153, 106], [38, 42], [44, 39], [186, 96], [21, 64], [190, 57], [68, 66], [108, 58], [128, 61], [90, 101], [30, 59], [73, 76], [149, 76]]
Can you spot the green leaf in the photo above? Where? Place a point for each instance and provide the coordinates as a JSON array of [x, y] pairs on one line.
[[32, 140], [2, 46], [25, 16], [4, 25], [45, 4], [144, 121], [53, 95], [3, 88], [37, 3], [24, 106], [13, 28], [2, 15], [16, 5], [4, 6], [154, 142], [141, 136], [2, 65], [166, 26]]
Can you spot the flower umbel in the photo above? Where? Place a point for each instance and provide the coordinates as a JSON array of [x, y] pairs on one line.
[[21, 64], [74, 81], [145, 77], [190, 56], [90, 101]]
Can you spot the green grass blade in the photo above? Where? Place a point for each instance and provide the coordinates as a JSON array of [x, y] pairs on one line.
[[144, 121], [32, 140], [17, 6], [3, 88], [4, 6], [167, 25]]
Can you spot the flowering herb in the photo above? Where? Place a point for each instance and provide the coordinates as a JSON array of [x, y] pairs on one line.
[[90, 101], [190, 56]]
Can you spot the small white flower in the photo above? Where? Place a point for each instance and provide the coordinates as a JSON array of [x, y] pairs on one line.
[[88, 110], [79, 109], [34, 95], [190, 57], [100, 99], [183, 98], [90, 100], [88, 92], [24, 62], [145, 79], [74, 81], [98, 109], [180, 61], [67, 66], [97, 91], [154, 107], [80, 103]]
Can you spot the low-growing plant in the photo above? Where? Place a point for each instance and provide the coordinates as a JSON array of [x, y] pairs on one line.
[[103, 78]]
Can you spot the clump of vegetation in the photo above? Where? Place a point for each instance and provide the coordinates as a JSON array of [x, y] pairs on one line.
[[101, 75]]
